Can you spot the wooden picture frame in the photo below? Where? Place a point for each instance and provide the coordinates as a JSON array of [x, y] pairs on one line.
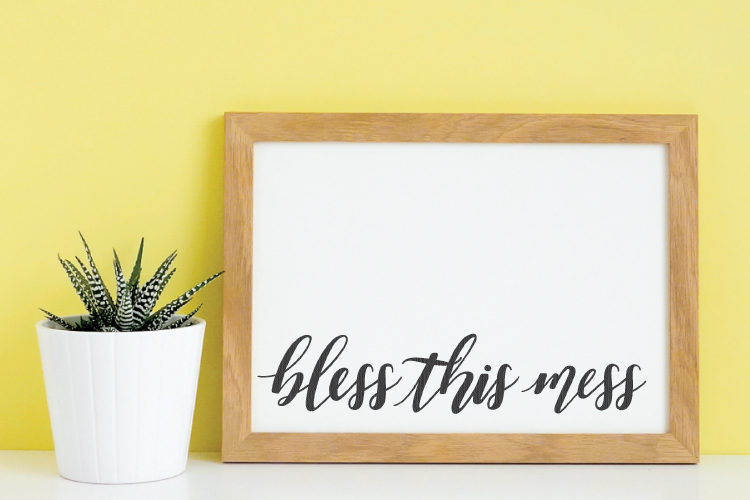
[[679, 445]]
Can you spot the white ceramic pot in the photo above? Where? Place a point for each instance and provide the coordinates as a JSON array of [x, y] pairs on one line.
[[121, 404]]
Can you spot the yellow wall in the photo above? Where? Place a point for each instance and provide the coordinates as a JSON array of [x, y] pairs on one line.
[[111, 122]]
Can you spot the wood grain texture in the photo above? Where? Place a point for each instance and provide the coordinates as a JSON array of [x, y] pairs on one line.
[[459, 448], [237, 314], [683, 287], [679, 445]]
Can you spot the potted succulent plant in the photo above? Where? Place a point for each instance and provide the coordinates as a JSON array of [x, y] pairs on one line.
[[121, 379]]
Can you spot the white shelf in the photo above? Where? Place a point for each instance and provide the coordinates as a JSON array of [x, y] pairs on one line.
[[33, 474]]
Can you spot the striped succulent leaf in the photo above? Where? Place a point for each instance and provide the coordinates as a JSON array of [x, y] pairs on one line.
[[163, 315], [124, 316], [135, 294], [135, 275], [104, 311], [96, 276], [97, 317], [80, 285], [151, 291], [57, 319], [154, 298], [184, 321]]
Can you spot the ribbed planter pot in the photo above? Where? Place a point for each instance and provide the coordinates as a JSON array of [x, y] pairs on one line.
[[121, 404]]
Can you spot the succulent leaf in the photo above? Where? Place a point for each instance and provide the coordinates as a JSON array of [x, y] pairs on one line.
[[124, 316], [87, 325], [97, 317], [166, 312], [57, 319], [104, 312], [135, 274], [100, 286], [154, 297], [80, 285], [151, 291], [180, 321]]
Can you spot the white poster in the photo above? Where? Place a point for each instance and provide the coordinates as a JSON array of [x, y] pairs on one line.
[[460, 288]]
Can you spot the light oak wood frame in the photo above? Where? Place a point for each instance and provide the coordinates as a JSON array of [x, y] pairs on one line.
[[679, 445]]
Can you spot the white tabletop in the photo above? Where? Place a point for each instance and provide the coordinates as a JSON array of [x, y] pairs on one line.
[[32, 474]]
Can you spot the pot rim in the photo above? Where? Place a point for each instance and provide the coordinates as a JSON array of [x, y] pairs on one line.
[[45, 324]]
